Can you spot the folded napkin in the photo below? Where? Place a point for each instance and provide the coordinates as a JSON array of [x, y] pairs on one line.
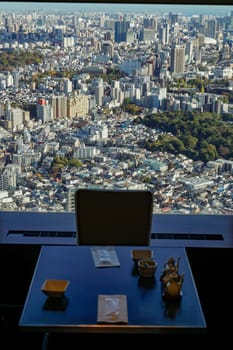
[[112, 309], [105, 257]]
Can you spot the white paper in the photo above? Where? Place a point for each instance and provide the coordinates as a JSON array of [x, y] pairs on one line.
[[112, 309], [105, 256]]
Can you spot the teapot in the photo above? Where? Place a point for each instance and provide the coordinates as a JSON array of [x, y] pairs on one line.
[[171, 280]]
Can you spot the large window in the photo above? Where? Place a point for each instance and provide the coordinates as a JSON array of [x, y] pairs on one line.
[[111, 95]]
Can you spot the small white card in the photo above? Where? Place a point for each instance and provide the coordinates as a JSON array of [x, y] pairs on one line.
[[105, 256], [112, 309]]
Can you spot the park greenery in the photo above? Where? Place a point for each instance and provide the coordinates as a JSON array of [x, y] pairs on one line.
[[60, 162], [200, 136], [10, 60]]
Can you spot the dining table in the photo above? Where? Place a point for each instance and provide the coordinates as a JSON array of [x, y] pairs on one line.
[[144, 309]]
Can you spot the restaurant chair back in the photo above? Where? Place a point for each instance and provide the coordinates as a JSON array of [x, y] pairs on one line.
[[113, 217]]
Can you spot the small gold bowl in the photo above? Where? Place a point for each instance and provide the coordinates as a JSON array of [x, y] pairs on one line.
[[55, 288], [139, 254], [147, 267]]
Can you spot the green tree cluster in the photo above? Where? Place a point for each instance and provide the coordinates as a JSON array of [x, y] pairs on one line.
[[60, 163], [200, 136], [11, 59]]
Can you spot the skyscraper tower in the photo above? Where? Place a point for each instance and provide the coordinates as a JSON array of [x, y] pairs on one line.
[[173, 17], [121, 29], [212, 27], [164, 33], [177, 59]]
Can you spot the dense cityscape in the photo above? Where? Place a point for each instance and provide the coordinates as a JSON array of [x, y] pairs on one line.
[[77, 89]]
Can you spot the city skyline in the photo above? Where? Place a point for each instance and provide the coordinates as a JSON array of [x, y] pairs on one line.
[[76, 91], [184, 9]]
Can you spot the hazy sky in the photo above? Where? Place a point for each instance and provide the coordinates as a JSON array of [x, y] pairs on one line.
[[121, 7]]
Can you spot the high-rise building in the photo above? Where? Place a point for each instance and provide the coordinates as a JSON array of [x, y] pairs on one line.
[[8, 177], [14, 119], [164, 33], [231, 20], [43, 110], [121, 29], [77, 106], [212, 28], [177, 59], [59, 106], [98, 88], [173, 17], [108, 49]]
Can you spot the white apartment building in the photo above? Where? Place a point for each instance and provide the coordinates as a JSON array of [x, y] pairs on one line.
[[7, 179], [27, 158], [85, 152], [223, 73]]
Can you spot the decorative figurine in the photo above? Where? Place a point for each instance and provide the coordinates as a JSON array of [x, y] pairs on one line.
[[171, 279]]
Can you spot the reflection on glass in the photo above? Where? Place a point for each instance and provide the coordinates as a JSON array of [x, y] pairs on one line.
[[125, 95]]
